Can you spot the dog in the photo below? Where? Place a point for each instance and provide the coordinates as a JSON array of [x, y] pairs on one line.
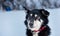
[[37, 22]]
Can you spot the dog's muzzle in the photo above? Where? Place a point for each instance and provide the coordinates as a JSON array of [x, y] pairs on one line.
[[31, 25]]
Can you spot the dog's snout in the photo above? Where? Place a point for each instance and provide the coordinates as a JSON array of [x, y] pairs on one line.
[[31, 25]]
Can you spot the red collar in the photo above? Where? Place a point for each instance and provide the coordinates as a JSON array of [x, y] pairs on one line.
[[41, 29]]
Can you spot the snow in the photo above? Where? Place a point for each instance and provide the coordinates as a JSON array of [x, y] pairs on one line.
[[54, 22], [12, 23]]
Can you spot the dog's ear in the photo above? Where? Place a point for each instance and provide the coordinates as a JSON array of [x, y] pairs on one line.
[[44, 12], [26, 9]]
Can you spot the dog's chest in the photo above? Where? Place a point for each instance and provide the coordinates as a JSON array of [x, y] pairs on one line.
[[35, 33]]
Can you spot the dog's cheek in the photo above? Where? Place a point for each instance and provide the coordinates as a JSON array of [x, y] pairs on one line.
[[28, 23], [37, 24]]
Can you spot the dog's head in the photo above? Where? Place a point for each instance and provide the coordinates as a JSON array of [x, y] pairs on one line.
[[36, 18]]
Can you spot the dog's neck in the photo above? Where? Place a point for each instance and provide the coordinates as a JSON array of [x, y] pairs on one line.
[[35, 33]]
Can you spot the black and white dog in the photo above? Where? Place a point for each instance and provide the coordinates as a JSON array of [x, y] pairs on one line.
[[36, 22]]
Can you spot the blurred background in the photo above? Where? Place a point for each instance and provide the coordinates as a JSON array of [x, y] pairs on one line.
[[8, 5], [12, 15]]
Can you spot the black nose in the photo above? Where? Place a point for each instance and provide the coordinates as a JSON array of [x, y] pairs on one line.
[[31, 25]]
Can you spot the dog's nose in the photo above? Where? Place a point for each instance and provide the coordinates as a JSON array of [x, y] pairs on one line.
[[31, 25]]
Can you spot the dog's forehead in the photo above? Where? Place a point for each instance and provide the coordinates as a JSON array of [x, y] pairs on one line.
[[35, 15], [35, 11]]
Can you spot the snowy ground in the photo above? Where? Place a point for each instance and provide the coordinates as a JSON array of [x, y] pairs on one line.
[[12, 23]]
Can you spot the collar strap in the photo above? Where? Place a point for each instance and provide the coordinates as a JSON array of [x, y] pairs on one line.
[[41, 29]]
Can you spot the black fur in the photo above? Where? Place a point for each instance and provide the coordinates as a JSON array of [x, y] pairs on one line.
[[44, 15]]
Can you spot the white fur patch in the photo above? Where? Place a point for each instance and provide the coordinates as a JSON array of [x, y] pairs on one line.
[[28, 24], [31, 14], [35, 34], [36, 26], [35, 15]]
